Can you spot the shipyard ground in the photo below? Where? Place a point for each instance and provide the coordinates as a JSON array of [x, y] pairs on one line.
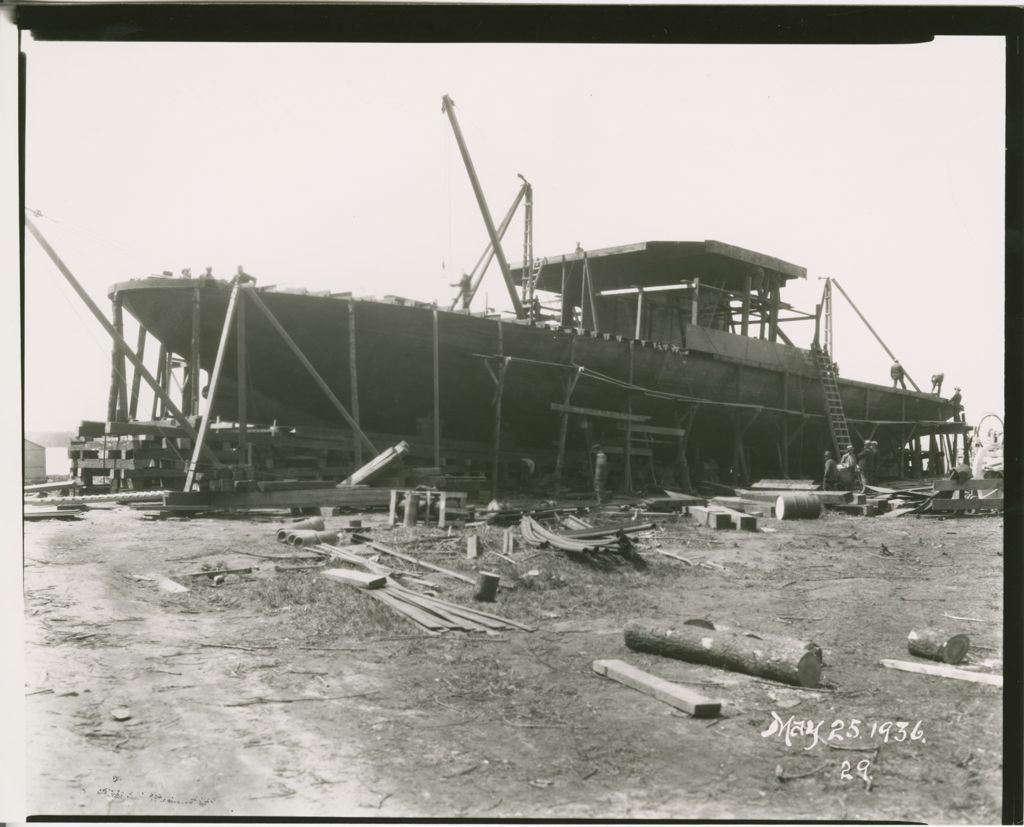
[[218, 682]]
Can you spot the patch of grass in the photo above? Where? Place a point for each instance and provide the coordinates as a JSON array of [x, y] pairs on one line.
[[323, 608]]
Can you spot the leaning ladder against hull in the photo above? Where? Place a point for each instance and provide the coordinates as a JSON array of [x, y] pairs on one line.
[[833, 402]]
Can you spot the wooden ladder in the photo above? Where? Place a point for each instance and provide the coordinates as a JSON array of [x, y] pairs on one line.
[[833, 403]]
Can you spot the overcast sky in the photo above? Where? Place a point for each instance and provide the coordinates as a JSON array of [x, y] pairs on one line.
[[332, 167]]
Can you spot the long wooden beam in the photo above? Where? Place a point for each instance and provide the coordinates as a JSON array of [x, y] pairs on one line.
[[140, 352], [250, 292], [185, 425], [353, 377], [867, 324], [204, 426]]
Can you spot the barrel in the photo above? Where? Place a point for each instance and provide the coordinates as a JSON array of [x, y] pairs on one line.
[[797, 505]]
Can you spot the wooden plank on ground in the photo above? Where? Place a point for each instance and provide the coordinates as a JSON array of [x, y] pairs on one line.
[[356, 578], [974, 504], [575, 409], [710, 517], [756, 508], [665, 691], [969, 485], [944, 671], [740, 520], [786, 485]]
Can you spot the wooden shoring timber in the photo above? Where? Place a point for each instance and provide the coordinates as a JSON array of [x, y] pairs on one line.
[[563, 427], [944, 671], [437, 391], [126, 349], [161, 364], [116, 408], [242, 380], [250, 292], [496, 452], [665, 691], [353, 378], [140, 352], [200, 438], [195, 370], [628, 448]]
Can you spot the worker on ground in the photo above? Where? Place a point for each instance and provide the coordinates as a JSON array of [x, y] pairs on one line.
[[937, 383], [830, 478], [526, 469], [956, 400], [866, 460], [600, 472], [849, 461], [897, 373], [876, 459]]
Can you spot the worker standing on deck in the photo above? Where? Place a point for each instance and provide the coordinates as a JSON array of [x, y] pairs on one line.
[[600, 472], [897, 374], [937, 383], [956, 400], [831, 476]]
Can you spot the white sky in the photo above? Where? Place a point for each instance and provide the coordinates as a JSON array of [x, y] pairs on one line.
[[331, 166]]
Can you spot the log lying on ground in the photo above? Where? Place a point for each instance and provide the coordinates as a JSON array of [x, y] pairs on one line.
[[767, 659], [665, 691], [810, 646], [936, 644]]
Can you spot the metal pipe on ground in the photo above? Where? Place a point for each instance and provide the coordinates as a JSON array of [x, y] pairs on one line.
[[307, 537], [309, 523]]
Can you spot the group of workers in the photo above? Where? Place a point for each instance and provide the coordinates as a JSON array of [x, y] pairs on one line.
[[860, 469], [898, 375]]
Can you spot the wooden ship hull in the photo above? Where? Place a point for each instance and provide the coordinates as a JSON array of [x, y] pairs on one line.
[[741, 406]]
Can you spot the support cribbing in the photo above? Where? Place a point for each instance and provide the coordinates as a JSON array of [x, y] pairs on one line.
[[837, 424], [448, 107]]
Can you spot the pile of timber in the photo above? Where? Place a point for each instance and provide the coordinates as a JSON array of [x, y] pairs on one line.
[[430, 613], [607, 539], [863, 504], [954, 496], [720, 515], [146, 455]]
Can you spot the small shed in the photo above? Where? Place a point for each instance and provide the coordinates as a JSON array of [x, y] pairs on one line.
[[34, 462]]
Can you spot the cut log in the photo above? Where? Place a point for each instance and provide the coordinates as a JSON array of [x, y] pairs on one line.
[[936, 644], [357, 578], [766, 659], [810, 646], [665, 691], [944, 671]]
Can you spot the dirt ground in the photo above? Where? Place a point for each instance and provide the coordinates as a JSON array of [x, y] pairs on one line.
[[286, 694]]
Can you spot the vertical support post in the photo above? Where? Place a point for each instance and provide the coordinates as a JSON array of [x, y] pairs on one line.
[[437, 396], [117, 378], [817, 325], [214, 379], [695, 302], [140, 352], [243, 421], [496, 463], [627, 455], [194, 368], [160, 365], [776, 298], [639, 313], [745, 324], [565, 320], [353, 379], [785, 425], [563, 429], [168, 381]]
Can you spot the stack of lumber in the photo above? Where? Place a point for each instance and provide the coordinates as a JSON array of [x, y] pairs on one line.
[[145, 455], [846, 502], [955, 496], [720, 516], [430, 613]]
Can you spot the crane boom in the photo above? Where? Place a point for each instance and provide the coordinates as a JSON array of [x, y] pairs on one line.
[[448, 107]]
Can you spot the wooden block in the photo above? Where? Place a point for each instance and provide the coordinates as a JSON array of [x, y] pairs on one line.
[[362, 579], [672, 694], [943, 671], [976, 504], [739, 519], [472, 546], [712, 518]]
